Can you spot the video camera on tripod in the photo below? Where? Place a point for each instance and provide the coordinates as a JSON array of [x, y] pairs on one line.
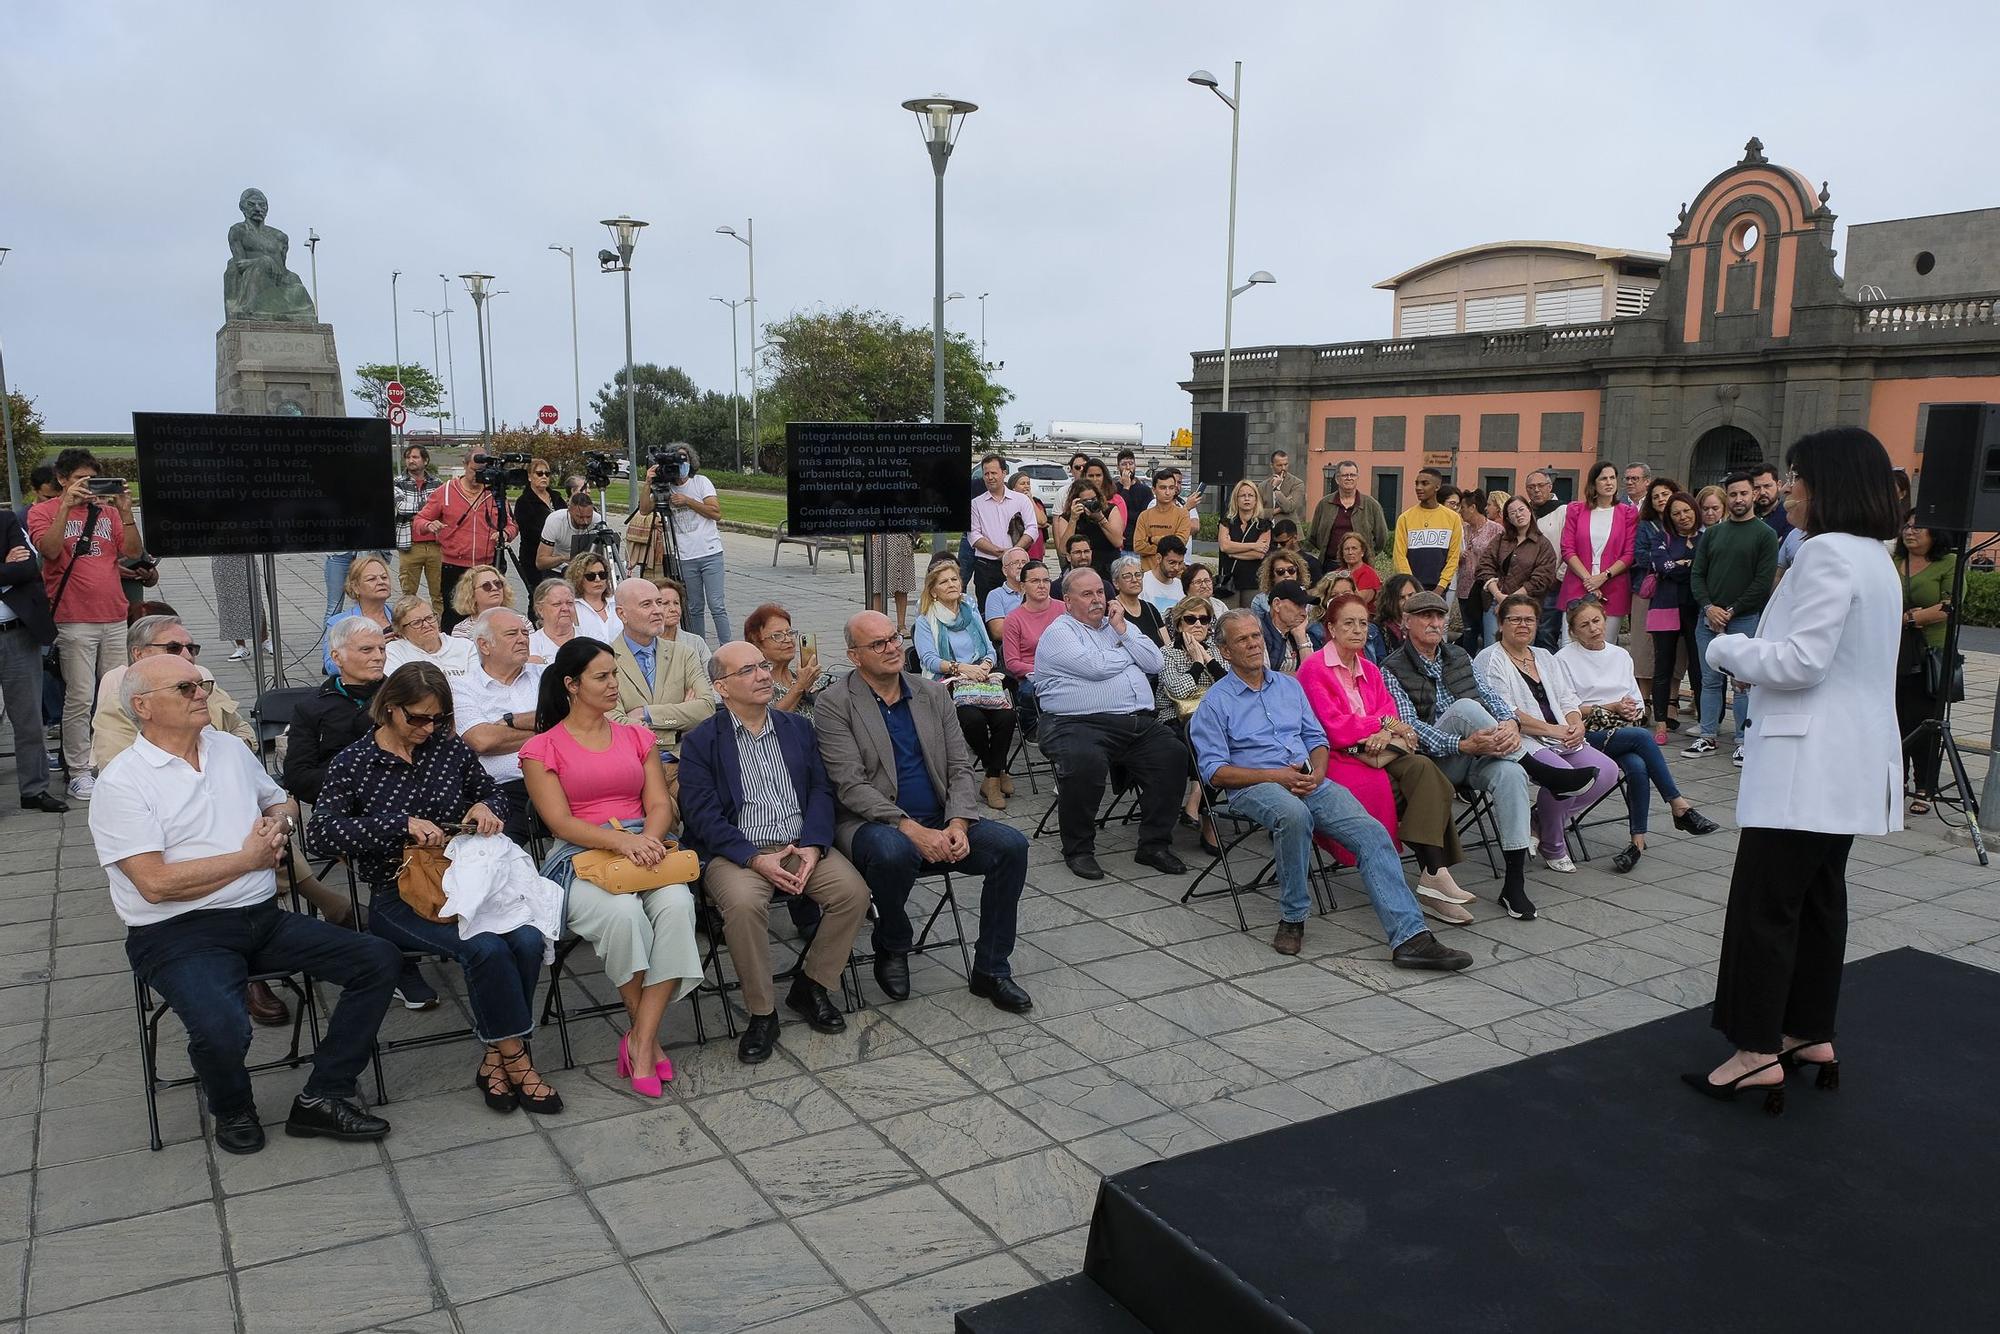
[[599, 468], [673, 465], [501, 470]]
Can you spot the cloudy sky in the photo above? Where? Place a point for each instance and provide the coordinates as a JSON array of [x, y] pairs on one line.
[[1087, 195]]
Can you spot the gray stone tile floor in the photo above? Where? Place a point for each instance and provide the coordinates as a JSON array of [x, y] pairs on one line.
[[937, 1154]]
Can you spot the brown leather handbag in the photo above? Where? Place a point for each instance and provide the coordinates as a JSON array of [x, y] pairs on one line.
[[420, 883]]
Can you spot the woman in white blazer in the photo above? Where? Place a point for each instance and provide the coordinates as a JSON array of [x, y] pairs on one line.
[[1824, 763]]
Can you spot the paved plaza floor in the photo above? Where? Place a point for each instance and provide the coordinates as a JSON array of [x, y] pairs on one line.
[[937, 1154]]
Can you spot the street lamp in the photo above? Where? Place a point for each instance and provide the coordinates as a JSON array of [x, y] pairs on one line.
[[982, 329], [475, 284], [312, 247], [450, 358], [735, 389], [493, 357], [575, 362], [7, 420], [939, 121], [396, 320], [437, 365], [1234, 100], [749, 239], [624, 236]]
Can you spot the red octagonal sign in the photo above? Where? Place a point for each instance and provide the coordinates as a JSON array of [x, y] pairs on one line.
[[395, 393], [548, 414]]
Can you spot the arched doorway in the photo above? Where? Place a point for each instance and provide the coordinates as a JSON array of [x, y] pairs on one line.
[[1721, 451]]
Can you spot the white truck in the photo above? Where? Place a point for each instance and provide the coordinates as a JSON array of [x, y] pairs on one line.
[[1117, 434]]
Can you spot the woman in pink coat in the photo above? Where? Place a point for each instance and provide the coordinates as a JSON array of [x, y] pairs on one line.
[[1410, 795], [1597, 547]]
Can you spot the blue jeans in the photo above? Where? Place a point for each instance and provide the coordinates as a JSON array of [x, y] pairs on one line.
[[1712, 682], [500, 971], [337, 564], [1337, 813], [703, 577], [890, 863], [1639, 756], [199, 960]]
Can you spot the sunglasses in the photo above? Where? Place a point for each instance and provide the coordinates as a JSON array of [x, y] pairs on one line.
[[191, 650], [1197, 620], [488, 585], [541, 472], [186, 689], [595, 577], [426, 719]]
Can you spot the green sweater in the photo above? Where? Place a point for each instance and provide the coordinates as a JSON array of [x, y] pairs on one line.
[[1734, 564], [1926, 588]]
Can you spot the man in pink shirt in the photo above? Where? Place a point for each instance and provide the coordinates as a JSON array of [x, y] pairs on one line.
[[993, 517], [81, 572], [459, 517], [1019, 634]]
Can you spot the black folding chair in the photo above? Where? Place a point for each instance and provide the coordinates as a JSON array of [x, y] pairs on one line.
[[708, 919], [1477, 824], [946, 899], [1241, 827], [1582, 821]]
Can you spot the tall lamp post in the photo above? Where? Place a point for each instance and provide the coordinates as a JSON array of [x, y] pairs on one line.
[[982, 329], [1234, 101], [437, 364], [492, 357], [735, 384], [575, 362], [450, 358], [939, 120], [749, 238], [312, 248], [396, 320], [624, 236], [475, 284], [7, 420]]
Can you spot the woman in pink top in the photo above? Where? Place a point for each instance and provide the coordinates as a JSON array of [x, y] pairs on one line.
[[1597, 539], [1349, 698], [600, 784]]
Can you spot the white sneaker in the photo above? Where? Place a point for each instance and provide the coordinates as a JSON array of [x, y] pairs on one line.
[[81, 786], [1436, 905], [1737, 758], [241, 652], [1701, 745], [1442, 886], [1561, 864]]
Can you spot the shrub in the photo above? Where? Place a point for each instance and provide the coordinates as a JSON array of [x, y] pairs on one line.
[[1982, 598]]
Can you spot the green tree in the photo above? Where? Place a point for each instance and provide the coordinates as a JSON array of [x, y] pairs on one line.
[[423, 395], [27, 427], [667, 406], [864, 365]]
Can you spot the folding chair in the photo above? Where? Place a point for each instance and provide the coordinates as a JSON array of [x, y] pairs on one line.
[[1478, 824], [1582, 821], [273, 713], [946, 899], [1122, 789], [708, 919], [1026, 758], [1215, 806]]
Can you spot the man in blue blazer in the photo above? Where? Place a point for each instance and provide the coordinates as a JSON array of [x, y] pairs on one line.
[[25, 629], [757, 805]]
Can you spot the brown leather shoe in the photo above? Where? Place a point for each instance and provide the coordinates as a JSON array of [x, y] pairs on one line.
[[990, 790], [1291, 937], [266, 1006]]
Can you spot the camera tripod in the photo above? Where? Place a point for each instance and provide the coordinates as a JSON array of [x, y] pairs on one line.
[[1935, 729]]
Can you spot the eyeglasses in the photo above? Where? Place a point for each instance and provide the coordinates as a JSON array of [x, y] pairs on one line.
[[488, 585], [187, 689], [743, 673], [1197, 620], [167, 646], [426, 719], [786, 635], [420, 622], [882, 645], [541, 472], [1521, 620]]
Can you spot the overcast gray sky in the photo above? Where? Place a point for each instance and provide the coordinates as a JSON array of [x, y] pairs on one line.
[[1087, 194]]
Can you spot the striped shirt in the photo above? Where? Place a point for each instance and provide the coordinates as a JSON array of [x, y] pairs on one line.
[[770, 816]]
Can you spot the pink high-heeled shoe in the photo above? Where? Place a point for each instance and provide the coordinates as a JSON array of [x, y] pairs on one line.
[[624, 1059], [665, 1069], [646, 1086]]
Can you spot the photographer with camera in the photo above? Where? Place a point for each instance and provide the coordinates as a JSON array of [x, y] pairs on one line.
[[461, 518], [80, 535], [560, 531], [1086, 514], [697, 535]]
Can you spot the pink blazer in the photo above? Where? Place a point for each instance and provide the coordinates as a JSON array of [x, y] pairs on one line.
[[1617, 594], [1344, 727]]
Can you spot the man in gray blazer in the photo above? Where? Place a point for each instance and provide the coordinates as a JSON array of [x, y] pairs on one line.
[[909, 802]]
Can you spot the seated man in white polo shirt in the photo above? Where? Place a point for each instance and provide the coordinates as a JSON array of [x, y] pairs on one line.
[[190, 829], [493, 706]]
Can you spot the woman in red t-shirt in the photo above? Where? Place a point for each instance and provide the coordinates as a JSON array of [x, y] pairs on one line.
[[1354, 560], [596, 783]]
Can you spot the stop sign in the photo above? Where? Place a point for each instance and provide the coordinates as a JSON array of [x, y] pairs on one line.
[[395, 393], [548, 414]]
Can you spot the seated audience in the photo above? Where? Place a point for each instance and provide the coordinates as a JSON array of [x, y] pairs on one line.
[[194, 882], [1470, 731], [1550, 715], [369, 586], [1285, 537], [1355, 564], [554, 605], [1127, 576], [597, 782], [1160, 585], [795, 671], [1386, 634], [1091, 682], [1008, 595], [589, 579], [904, 790], [113, 730], [660, 685], [494, 707], [1290, 632], [1614, 723], [952, 648], [1076, 556], [413, 781], [1256, 739], [673, 597], [1019, 636], [1199, 581], [1279, 567], [758, 807], [336, 716], [1376, 756], [418, 639], [480, 589], [1191, 666]]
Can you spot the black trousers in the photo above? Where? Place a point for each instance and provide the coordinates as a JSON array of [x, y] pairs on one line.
[[986, 576], [1783, 938], [1666, 649], [990, 734], [1914, 704], [1083, 747]]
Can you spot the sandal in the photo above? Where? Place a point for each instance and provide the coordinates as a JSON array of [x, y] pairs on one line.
[[491, 1081], [530, 1089], [1919, 806]]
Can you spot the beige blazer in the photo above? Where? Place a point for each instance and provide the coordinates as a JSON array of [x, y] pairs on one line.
[[860, 759], [112, 730], [675, 672]]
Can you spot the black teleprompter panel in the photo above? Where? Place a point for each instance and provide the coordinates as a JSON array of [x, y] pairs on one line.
[[845, 479], [217, 484]]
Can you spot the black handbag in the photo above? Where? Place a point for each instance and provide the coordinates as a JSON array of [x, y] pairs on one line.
[[1946, 687]]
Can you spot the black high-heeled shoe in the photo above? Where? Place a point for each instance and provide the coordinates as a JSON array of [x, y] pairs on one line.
[[484, 1079], [1692, 821], [1627, 859], [1828, 1078], [1774, 1094]]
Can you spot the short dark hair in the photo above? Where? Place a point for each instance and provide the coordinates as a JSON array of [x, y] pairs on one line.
[[1850, 486], [1162, 474], [409, 684], [569, 664], [70, 460], [993, 458], [1447, 491], [1763, 468], [1170, 545], [1435, 472], [1124, 454], [1738, 476], [1285, 528], [42, 476], [1281, 454], [1074, 539]]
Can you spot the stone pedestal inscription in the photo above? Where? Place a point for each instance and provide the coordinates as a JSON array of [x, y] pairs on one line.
[[277, 368]]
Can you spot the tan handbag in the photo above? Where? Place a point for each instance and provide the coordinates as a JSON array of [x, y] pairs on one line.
[[1186, 707], [615, 873], [420, 883]]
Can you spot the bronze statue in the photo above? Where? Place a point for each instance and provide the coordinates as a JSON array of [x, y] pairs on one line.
[[256, 285]]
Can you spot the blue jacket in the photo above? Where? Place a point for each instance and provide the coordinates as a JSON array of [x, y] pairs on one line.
[[1671, 557], [21, 585], [712, 786], [1274, 642]]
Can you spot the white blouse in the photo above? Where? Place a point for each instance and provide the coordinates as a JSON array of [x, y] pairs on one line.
[[606, 627], [1505, 680], [1603, 677], [455, 656], [1600, 535]]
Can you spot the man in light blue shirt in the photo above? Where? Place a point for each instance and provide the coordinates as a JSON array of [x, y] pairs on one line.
[[1256, 738], [1097, 710]]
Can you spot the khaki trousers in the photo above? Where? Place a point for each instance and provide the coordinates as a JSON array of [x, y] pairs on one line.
[[424, 560], [744, 899]]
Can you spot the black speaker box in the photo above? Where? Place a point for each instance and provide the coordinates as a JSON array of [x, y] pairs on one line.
[[1959, 490], [1225, 439]]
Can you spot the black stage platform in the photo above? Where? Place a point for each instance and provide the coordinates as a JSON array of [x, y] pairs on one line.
[[1586, 1189]]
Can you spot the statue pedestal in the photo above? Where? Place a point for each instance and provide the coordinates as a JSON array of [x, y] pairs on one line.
[[277, 368]]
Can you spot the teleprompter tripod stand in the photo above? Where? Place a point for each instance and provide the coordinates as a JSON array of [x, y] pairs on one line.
[[1958, 796]]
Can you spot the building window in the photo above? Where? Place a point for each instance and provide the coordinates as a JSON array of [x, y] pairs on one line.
[[1570, 305], [1562, 432], [1338, 435], [1499, 432], [1389, 489], [1387, 434], [1435, 317], [1489, 482], [1509, 311], [1441, 433], [1634, 300]]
